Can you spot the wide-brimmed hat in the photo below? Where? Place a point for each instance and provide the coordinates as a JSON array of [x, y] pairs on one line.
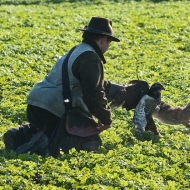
[[101, 26]]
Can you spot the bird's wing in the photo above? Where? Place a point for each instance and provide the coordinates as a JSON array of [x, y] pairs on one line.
[[141, 111], [119, 99]]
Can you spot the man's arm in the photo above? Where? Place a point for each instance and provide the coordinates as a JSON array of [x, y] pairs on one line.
[[88, 69]]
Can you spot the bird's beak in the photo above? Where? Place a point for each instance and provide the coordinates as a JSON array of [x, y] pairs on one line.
[[159, 91]]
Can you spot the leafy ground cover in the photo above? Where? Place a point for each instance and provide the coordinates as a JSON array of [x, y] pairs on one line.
[[155, 46]]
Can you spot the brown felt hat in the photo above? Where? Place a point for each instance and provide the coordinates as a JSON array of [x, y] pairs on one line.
[[101, 26]]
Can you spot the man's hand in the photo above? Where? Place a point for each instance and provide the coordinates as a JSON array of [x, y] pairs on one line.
[[102, 127]]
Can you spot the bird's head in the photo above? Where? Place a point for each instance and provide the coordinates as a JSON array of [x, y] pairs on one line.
[[155, 90]]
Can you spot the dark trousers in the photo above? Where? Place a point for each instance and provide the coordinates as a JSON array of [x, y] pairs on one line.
[[42, 120]]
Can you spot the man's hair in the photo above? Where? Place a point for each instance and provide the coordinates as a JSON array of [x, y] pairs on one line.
[[94, 36]]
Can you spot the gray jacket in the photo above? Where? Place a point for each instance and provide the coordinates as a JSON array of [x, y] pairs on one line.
[[47, 93]]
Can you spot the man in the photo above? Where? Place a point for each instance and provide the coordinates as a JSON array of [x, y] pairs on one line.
[[89, 91]]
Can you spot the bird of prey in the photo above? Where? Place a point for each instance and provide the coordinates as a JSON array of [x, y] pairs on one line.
[[129, 96], [147, 104]]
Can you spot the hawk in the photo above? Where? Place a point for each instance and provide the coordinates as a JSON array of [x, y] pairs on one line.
[[147, 104], [129, 96]]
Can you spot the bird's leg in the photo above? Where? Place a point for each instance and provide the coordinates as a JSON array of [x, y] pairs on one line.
[[152, 126], [186, 124]]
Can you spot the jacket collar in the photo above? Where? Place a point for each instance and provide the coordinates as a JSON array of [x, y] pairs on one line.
[[96, 48]]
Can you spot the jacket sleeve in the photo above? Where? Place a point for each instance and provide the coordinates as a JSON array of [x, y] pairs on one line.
[[88, 68]]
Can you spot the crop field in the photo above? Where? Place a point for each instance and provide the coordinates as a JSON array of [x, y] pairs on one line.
[[155, 46]]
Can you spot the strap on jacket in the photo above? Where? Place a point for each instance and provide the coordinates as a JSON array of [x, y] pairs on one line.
[[65, 83]]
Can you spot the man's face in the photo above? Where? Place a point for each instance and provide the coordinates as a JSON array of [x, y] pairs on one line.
[[104, 43]]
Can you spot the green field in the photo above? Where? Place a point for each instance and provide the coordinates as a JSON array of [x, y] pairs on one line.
[[155, 46]]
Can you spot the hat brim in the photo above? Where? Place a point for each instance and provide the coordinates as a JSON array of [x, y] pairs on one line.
[[94, 31]]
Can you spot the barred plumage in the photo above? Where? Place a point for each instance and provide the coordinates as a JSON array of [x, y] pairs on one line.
[[129, 98], [143, 110], [146, 105]]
